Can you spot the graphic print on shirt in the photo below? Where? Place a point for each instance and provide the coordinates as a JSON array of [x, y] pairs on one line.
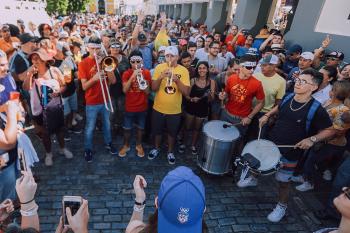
[[169, 88], [238, 93]]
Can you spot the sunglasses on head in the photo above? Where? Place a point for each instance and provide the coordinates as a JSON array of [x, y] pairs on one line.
[[115, 46], [346, 191], [250, 67], [135, 61]]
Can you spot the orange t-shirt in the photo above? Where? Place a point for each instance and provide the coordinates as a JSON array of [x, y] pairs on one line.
[[8, 46], [86, 70], [135, 99], [240, 41], [241, 93]]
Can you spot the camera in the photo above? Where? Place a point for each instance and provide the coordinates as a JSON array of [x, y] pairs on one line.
[[73, 203]]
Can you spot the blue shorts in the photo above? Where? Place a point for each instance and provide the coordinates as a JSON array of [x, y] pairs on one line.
[[70, 104], [134, 118]]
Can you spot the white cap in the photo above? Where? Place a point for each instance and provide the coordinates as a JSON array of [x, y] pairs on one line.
[[171, 50], [162, 48], [307, 56], [63, 34]]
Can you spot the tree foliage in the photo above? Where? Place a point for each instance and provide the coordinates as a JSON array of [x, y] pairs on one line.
[[64, 7]]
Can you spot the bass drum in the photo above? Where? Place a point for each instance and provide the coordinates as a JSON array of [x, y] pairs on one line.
[[266, 152], [218, 143]]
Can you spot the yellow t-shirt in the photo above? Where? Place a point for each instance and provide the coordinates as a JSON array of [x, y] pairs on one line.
[[162, 39], [274, 88], [169, 103]]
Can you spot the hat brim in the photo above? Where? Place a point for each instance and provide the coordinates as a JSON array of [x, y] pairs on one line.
[[42, 56], [165, 226]]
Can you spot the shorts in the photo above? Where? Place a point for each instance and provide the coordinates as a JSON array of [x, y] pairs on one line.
[[134, 118], [70, 104], [225, 116], [171, 121], [285, 173]]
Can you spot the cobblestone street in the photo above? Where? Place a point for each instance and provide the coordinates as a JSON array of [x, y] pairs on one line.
[[107, 184]]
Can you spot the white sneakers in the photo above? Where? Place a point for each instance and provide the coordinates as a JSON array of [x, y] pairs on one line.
[[278, 213], [49, 156], [48, 160], [248, 182], [66, 153], [306, 186], [298, 179]]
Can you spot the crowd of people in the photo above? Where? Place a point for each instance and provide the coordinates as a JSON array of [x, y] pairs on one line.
[[163, 77]]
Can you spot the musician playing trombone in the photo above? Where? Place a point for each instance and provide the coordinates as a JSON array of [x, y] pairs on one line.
[[136, 86], [96, 95]]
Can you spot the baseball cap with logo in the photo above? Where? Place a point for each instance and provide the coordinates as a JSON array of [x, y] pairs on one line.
[[171, 50], [181, 202], [336, 54], [308, 56], [142, 37], [270, 59]]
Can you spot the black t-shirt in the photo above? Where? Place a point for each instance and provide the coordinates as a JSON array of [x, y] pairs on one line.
[[70, 87], [290, 127], [117, 88], [20, 66]]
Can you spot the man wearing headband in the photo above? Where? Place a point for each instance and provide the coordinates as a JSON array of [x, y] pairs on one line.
[[238, 95], [170, 82], [136, 102], [90, 80]]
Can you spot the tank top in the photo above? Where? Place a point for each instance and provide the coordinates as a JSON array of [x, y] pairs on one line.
[[201, 108]]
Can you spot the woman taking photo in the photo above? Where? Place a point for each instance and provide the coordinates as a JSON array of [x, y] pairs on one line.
[[197, 104], [45, 85]]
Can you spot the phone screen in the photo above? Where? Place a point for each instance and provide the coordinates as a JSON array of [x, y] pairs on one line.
[[74, 207], [22, 162]]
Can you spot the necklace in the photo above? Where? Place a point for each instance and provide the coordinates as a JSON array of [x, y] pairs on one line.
[[297, 109]]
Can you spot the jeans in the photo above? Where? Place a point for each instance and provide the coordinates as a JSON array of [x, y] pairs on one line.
[[134, 118], [8, 183], [91, 115]]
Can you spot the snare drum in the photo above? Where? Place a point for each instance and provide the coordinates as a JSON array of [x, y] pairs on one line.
[[218, 144], [266, 153]]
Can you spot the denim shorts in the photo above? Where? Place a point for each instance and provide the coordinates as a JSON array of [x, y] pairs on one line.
[[134, 118], [70, 104]]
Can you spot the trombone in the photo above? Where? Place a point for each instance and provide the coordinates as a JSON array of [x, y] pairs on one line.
[[169, 89], [108, 64]]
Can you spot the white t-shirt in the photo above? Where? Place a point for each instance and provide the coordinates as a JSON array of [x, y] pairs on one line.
[[201, 54], [323, 95]]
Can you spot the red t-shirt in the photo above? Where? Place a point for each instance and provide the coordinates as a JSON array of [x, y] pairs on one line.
[[135, 99], [240, 41], [86, 70], [241, 93]]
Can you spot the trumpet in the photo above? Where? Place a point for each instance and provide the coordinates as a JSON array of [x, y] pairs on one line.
[[140, 80], [107, 64], [169, 89]]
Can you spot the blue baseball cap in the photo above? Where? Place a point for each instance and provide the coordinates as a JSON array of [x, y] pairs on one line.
[[295, 49], [181, 202]]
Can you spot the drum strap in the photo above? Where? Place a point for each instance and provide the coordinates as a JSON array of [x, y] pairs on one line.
[[244, 173]]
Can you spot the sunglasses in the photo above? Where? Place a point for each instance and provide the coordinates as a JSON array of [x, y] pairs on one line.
[[135, 61], [332, 58], [115, 46], [250, 67], [346, 191]]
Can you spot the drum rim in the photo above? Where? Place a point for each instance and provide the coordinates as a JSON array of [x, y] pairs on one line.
[[218, 139]]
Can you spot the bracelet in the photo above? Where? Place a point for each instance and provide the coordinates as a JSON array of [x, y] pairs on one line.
[[138, 203], [30, 212], [139, 209], [24, 203]]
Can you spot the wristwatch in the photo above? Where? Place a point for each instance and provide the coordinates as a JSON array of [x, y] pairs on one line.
[[313, 139]]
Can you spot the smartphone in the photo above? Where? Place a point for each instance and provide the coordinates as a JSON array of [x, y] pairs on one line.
[[22, 160], [72, 202]]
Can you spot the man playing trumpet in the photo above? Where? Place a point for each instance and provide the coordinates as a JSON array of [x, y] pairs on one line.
[[136, 86], [170, 82], [94, 98]]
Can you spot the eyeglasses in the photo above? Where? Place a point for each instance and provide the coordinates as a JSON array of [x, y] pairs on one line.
[[301, 81], [346, 191], [135, 61], [250, 67]]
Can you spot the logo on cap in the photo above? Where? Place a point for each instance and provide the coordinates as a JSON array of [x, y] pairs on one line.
[[183, 215]]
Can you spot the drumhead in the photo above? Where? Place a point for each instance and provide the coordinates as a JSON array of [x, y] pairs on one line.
[[265, 151], [214, 129]]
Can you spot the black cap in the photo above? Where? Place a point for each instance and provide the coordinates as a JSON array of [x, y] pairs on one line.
[[26, 37], [142, 37]]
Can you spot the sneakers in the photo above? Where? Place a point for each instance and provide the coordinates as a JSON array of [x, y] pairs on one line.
[[153, 154], [66, 153], [111, 148], [48, 160], [77, 117], [122, 152], [278, 213], [171, 158], [74, 130], [182, 148], [248, 182], [139, 151], [298, 179], [74, 122], [194, 150], [88, 155], [327, 175], [306, 186], [67, 137]]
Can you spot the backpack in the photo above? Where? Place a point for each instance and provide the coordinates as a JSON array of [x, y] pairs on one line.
[[310, 115], [12, 60]]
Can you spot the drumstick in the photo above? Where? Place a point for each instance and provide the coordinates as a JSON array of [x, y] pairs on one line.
[[230, 125], [259, 133]]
